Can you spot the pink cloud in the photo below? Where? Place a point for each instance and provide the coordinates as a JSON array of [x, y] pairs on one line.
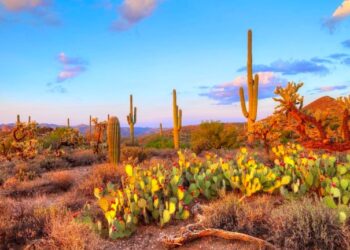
[[341, 13], [133, 11], [19, 5], [71, 67]]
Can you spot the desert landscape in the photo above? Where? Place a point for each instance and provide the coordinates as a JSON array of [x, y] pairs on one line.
[[135, 177]]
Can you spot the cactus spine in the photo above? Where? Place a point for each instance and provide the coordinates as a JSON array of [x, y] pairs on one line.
[[253, 87], [113, 140], [177, 119], [161, 129], [132, 120]]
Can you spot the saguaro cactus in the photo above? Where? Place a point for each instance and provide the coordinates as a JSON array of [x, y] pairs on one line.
[[132, 120], [29, 119], [253, 89], [161, 129], [18, 119], [90, 127], [68, 123], [113, 140], [177, 119]]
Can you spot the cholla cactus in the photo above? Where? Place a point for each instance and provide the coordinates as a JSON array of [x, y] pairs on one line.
[[291, 103], [98, 136], [177, 118], [253, 89], [132, 120]]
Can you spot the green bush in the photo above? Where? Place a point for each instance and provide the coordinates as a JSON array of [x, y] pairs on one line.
[[61, 137], [213, 135], [160, 142]]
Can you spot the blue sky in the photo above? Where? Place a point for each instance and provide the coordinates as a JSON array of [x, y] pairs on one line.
[[74, 58]]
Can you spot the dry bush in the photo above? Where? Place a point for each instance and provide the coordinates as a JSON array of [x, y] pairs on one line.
[[63, 232], [35, 224], [307, 224], [83, 158], [221, 214], [18, 224], [254, 215], [53, 163], [135, 155], [52, 183], [99, 176]]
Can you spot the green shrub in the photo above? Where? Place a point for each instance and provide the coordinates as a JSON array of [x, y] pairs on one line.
[[213, 135], [160, 142], [61, 137]]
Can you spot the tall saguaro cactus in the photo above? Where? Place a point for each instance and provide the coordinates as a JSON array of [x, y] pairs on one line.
[[177, 119], [253, 89], [68, 123], [161, 129], [18, 119], [132, 120], [90, 127], [113, 140]]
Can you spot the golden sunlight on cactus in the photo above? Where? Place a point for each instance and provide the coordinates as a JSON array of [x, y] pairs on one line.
[[113, 139], [131, 118], [177, 120], [253, 96]]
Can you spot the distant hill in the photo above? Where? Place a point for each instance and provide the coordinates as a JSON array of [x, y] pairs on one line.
[[325, 103], [84, 128]]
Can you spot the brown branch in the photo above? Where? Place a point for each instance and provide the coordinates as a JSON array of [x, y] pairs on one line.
[[173, 242]]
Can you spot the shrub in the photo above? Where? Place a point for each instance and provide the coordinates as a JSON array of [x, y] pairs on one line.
[[135, 154], [221, 214], [61, 137], [213, 135], [307, 224], [100, 176], [160, 142]]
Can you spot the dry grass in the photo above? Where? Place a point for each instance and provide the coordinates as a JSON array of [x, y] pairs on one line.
[[36, 224], [308, 224], [50, 183], [99, 176]]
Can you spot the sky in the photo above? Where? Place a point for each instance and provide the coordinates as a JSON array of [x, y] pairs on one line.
[[76, 58]]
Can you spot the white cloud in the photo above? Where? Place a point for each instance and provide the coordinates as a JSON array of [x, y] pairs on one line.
[[227, 93]]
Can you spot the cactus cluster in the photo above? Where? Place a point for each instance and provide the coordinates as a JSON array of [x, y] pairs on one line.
[[113, 139], [131, 118], [253, 89], [177, 120], [158, 194]]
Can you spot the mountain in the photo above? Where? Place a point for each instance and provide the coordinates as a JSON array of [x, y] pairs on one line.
[[325, 103], [84, 128]]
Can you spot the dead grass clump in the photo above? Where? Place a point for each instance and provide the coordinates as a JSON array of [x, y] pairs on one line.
[[135, 155], [49, 184], [100, 176], [221, 214], [63, 232], [19, 224], [254, 215], [307, 224], [53, 163], [83, 158]]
